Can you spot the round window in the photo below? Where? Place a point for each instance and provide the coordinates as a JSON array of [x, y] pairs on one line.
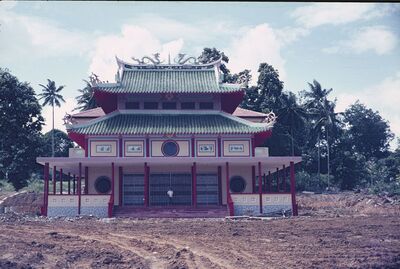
[[170, 148], [102, 184], [237, 184]]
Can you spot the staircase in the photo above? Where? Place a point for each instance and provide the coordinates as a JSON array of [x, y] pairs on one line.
[[171, 212]]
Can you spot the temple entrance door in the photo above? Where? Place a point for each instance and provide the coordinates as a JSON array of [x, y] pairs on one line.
[[133, 190], [207, 189], [179, 183]]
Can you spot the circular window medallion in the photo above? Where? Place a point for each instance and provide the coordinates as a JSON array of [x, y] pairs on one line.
[[170, 148], [102, 184], [237, 184]]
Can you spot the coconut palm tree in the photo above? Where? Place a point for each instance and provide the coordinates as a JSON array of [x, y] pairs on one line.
[[86, 98], [51, 95], [315, 98], [291, 114]]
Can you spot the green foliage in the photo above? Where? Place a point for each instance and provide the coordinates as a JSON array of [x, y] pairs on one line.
[[6, 186], [86, 98], [311, 182], [35, 183], [51, 94], [20, 124], [62, 144]]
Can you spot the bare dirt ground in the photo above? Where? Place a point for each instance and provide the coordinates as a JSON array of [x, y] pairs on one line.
[[334, 231]]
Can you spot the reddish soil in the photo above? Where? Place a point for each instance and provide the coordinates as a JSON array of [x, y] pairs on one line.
[[322, 239]]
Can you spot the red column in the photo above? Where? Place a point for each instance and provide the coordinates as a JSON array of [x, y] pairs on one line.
[[260, 184], [194, 185], [284, 178], [120, 174], [74, 185], [46, 189], [69, 183], [112, 182], [147, 147], [293, 189], [220, 185], [227, 181], [253, 146], [146, 184], [61, 181], [86, 180], [79, 188], [86, 147], [120, 147], [193, 147], [54, 179], [277, 180], [219, 147], [269, 181], [253, 178]]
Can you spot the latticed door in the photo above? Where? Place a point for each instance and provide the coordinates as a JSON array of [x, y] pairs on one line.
[[207, 189], [179, 183], [133, 189]]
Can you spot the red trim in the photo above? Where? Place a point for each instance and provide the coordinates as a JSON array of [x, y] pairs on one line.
[[120, 147], [269, 181], [79, 188], [74, 185], [147, 147], [107, 101], [86, 147], [69, 183], [133, 140], [61, 181], [260, 186], [120, 173], [104, 140], [284, 178], [219, 147], [146, 184], [202, 140], [220, 185], [253, 147], [194, 185], [293, 189], [46, 189], [230, 101], [240, 140], [229, 201], [277, 180], [193, 147], [253, 178], [54, 179], [86, 191], [112, 182]]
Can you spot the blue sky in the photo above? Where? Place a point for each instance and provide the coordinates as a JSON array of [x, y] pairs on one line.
[[352, 48]]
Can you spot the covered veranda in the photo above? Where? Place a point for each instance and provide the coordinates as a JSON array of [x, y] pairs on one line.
[[275, 175]]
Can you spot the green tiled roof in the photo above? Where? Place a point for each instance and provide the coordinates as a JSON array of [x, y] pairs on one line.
[[137, 124], [169, 81]]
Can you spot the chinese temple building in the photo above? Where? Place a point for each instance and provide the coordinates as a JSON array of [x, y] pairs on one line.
[[169, 140]]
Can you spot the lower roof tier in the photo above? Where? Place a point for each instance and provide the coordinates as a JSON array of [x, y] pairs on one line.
[[160, 122]]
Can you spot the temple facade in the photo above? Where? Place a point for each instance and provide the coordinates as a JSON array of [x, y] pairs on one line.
[[169, 138]]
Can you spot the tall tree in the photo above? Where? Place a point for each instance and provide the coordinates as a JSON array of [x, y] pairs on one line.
[[51, 95], [62, 144], [20, 125], [86, 98], [291, 114], [370, 133]]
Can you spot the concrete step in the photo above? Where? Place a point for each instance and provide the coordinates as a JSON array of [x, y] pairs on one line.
[[176, 212]]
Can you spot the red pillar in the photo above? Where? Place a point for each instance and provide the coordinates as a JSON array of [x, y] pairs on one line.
[[74, 185], [120, 147], [269, 181], [86, 147], [120, 174], [46, 189], [253, 146], [69, 183], [54, 179], [146, 184], [293, 189], [194, 185], [86, 180], [277, 180], [253, 178], [61, 181], [193, 147], [260, 185], [284, 178], [219, 147], [227, 181], [220, 185], [147, 147], [112, 182], [79, 188]]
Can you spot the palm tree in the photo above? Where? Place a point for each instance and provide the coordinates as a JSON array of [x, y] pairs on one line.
[[315, 99], [291, 114], [85, 99], [51, 95]]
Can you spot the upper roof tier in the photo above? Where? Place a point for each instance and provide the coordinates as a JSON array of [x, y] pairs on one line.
[[151, 76]]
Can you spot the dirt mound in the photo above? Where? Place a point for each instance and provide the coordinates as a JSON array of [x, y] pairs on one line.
[[25, 202]]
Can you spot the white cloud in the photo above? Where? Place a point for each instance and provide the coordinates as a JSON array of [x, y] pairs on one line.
[[133, 41], [259, 44], [383, 97], [59, 113], [335, 13], [375, 38]]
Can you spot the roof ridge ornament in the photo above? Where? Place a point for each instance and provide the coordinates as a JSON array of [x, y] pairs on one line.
[[148, 59], [180, 59]]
